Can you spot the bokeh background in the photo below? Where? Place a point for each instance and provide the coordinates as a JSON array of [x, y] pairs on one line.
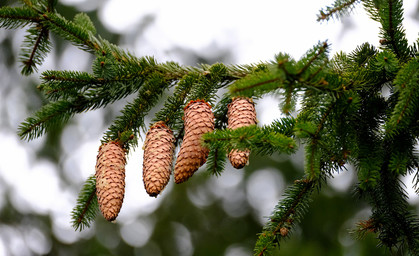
[[40, 179]]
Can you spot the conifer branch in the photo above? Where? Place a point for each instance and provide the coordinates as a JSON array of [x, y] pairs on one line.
[[406, 83], [218, 156], [339, 9], [286, 215], [312, 166], [289, 102], [390, 14], [369, 153], [285, 125], [66, 84], [36, 46], [86, 209], [27, 2], [317, 54], [59, 112], [216, 160], [220, 112], [394, 34], [212, 79], [132, 116], [283, 74], [311, 129], [395, 225], [110, 91], [72, 32], [240, 71], [416, 180], [260, 140], [17, 17], [84, 21], [171, 114], [255, 85], [48, 117]]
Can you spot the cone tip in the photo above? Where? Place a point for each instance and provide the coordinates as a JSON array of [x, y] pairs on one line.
[[195, 101]]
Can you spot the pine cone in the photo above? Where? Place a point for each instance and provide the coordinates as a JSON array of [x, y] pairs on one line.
[[158, 148], [110, 179], [198, 119], [241, 112]]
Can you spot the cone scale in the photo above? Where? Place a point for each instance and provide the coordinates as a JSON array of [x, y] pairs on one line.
[[110, 179], [158, 155], [198, 119], [241, 112]]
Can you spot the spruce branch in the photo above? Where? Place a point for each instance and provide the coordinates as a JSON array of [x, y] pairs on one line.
[[210, 81], [414, 49], [110, 90], [395, 225], [289, 212], [259, 140], [310, 128], [86, 209], [17, 17], [315, 58], [77, 92], [132, 116], [393, 34], [285, 125], [407, 86], [403, 158], [240, 71], [72, 32], [217, 156], [84, 21], [339, 9], [312, 159], [369, 152], [172, 112], [38, 5], [59, 112], [220, 112], [416, 180], [363, 228], [356, 74], [45, 119], [390, 15], [216, 160], [265, 80], [283, 73], [269, 84], [35, 48], [51, 5], [58, 84]]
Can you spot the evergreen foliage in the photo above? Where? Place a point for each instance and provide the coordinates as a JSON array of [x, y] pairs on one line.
[[345, 117], [285, 216], [338, 9], [87, 205]]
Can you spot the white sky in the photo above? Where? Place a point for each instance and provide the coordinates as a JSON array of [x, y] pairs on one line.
[[255, 30]]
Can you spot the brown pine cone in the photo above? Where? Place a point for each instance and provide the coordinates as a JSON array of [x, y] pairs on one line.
[[158, 148], [110, 179], [198, 119], [241, 112]]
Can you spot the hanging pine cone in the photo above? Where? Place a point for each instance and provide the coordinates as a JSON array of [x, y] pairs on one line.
[[241, 112], [110, 179], [198, 119], [158, 155]]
